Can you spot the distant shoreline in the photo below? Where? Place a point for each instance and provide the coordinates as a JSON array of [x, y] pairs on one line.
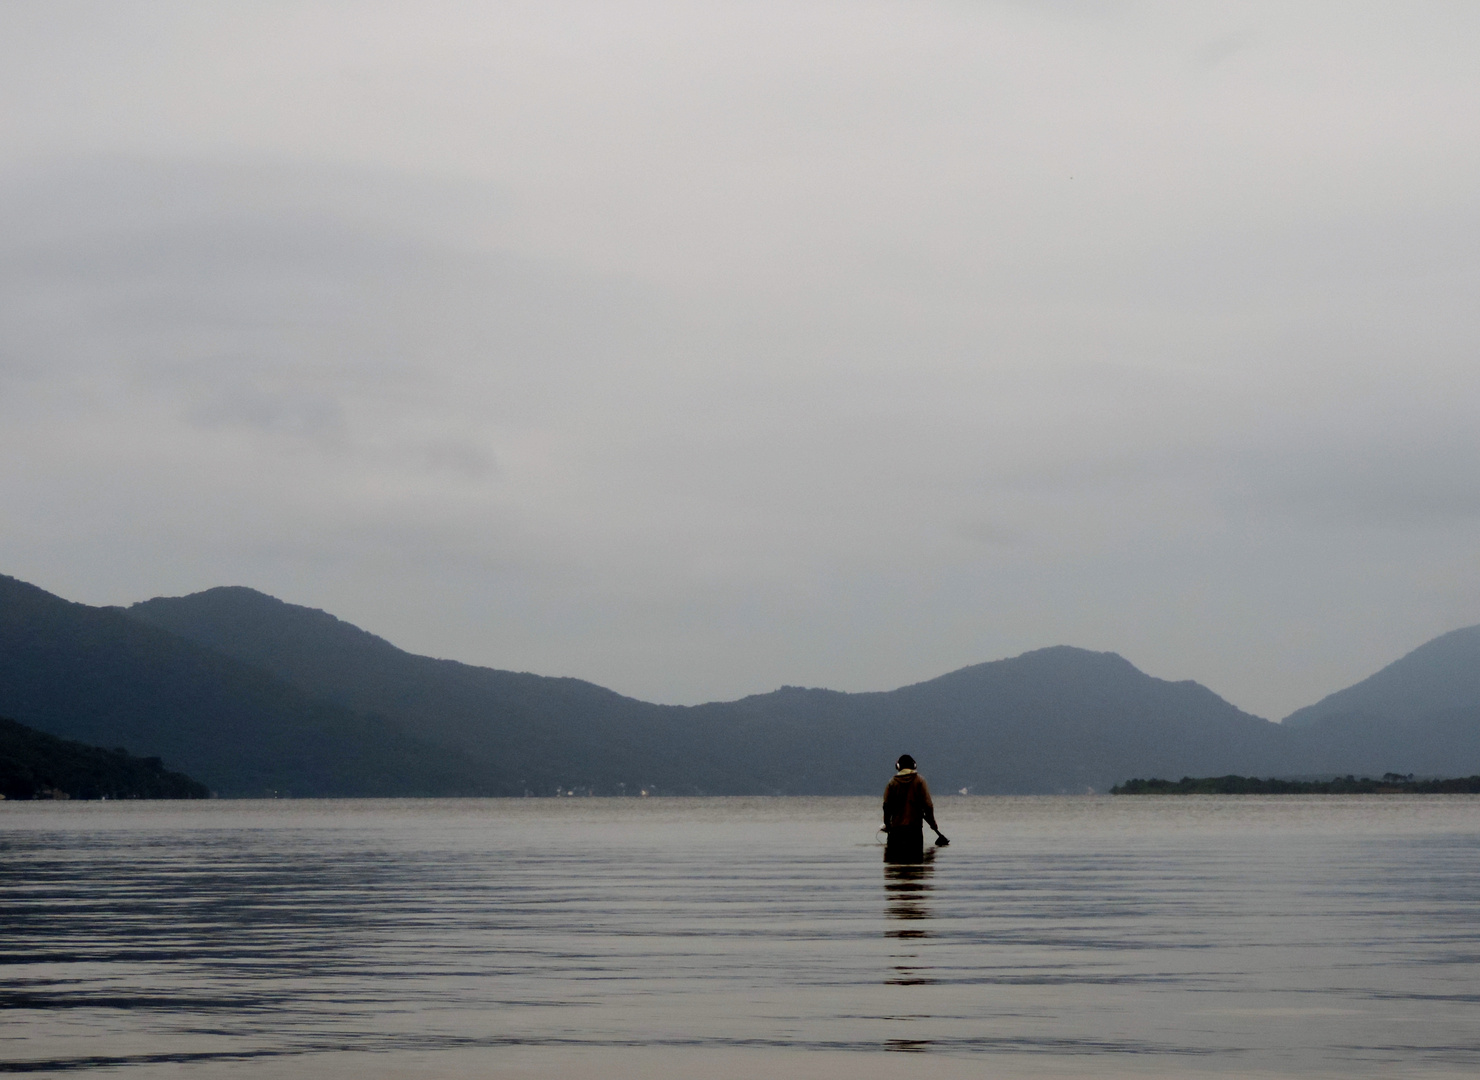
[[1389, 784]]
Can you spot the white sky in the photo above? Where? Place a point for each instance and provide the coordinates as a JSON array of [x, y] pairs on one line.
[[698, 348]]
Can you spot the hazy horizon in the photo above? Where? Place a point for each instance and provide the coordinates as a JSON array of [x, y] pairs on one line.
[[695, 350]]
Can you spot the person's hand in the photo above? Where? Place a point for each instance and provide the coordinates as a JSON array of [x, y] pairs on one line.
[[941, 840]]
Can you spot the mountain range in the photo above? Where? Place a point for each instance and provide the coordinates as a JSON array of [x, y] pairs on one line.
[[255, 696]]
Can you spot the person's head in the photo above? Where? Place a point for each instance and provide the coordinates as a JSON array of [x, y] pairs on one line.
[[905, 762]]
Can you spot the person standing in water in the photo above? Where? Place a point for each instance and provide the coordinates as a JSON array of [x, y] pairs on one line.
[[907, 806]]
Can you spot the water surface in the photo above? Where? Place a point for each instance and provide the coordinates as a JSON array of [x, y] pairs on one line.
[[1278, 936]]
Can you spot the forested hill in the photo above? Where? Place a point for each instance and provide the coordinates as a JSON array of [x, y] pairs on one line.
[[34, 765]]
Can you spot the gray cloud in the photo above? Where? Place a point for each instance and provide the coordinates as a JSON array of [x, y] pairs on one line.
[[700, 350]]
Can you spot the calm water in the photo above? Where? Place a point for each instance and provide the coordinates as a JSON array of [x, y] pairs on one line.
[[738, 937]]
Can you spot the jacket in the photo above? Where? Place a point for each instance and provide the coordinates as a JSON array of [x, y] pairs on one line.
[[907, 802]]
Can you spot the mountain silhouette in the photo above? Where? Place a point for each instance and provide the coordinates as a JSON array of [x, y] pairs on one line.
[[253, 695], [1439, 676], [537, 732], [1420, 714], [1059, 719], [98, 676]]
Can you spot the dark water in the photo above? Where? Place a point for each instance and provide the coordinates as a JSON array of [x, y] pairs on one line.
[[741, 937]]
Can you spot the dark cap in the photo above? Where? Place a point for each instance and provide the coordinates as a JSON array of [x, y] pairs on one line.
[[905, 762]]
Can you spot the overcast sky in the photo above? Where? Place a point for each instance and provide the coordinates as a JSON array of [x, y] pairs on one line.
[[698, 348]]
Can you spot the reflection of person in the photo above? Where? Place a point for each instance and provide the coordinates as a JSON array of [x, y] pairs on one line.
[[907, 891], [907, 807]]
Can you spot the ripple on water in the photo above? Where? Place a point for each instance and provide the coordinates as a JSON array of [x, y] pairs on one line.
[[1259, 936]]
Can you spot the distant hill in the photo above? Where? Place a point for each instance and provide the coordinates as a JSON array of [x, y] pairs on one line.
[[1419, 714], [1440, 676], [1058, 719], [100, 677], [1054, 720], [537, 732], [252, 695], [34, 765]]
